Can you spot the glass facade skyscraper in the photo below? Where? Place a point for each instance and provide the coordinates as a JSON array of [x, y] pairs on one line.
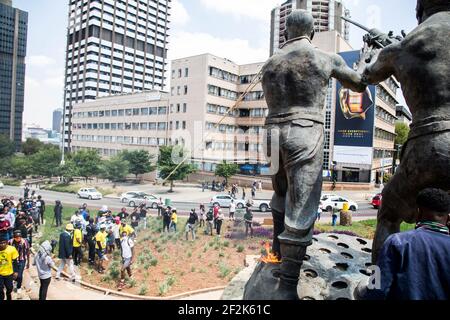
[[13, 48]]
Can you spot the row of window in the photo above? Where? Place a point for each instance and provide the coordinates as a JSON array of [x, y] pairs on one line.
[[226, 128], [381, 154], [231, 146], [160, 126], [122, 112], [385, 116], [386, 97], [172, 91], [121, 139], [385, 135], [180, 73]]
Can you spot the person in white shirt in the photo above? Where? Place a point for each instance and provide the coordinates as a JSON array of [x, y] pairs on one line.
[[232, 209], [127, 245]]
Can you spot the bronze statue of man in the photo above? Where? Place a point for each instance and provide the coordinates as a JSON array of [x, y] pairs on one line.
[[421, 63], [295, 82]]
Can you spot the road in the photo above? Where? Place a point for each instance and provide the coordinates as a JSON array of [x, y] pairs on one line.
[[365, 209]]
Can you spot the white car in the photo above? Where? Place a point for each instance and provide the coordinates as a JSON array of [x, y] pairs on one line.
[[325, 196], [125, 197], [224, 201], [89, 193], [261, 205], [337, 202], [149, 200], [1, 185]]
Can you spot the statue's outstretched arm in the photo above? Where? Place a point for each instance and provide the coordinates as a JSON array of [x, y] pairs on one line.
[[382, 66], [348, 77]]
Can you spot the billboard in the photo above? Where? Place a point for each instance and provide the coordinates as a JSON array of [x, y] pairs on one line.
[[354, 121]]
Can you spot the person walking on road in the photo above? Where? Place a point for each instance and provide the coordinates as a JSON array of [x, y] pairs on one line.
[[44, 264], [65, 252]]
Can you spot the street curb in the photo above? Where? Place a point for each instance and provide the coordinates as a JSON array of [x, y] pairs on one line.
[[137, 297]]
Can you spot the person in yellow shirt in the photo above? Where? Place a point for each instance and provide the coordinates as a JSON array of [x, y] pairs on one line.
[[100, 247], [8, 267], [127, 229], [77, 241], [174, 220]]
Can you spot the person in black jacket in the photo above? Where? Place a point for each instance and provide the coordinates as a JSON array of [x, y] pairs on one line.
[[58, 213], [65, 252], [167, 217], [91, 231]]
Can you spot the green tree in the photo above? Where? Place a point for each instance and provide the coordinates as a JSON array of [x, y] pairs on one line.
[[140, 162], [32, 146], [115, 169], [46, 162], [402, 131], [7, 147], [87, 163], [169, 167], [226, 170], [68, 170], [20, 167]]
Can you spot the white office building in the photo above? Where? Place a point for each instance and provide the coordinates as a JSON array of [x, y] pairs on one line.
[[114, 46]]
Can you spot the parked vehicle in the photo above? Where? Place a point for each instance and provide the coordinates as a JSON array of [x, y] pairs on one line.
[[376, 201], [89, 193], [224, 201], [261, 205], [325, 196], [337, 202], [149, 200], [125, 197]]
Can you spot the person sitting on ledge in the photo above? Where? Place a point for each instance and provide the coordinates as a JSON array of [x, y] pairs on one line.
[[414, 265]]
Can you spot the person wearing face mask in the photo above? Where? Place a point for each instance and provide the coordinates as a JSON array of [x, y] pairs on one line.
[[65, 252]]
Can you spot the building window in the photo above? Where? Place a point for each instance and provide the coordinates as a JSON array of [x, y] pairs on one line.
[[144, 111], [177, 125], [184, 125], [185, 90], [179, 73], [173, 74], [178, 90], [184, 107], [186, 72], [162, 110]]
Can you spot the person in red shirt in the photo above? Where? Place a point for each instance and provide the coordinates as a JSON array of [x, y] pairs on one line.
[[5, 225]]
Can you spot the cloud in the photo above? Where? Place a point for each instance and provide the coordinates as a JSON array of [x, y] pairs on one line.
[[185, 44], [180, 16], [255, 9], [39, 61]]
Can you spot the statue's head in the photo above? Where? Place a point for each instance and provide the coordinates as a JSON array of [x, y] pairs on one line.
[[300, 23], [426, 8]]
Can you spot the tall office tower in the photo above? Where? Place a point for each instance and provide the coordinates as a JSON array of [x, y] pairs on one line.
[[113, 46], [13, 47], [57, 120], [327, 14]]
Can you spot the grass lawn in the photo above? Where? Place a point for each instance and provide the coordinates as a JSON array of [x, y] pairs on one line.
[[49, 231]]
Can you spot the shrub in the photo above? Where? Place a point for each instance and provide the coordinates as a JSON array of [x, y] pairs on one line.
[[189, 254], [143, 290], [226, 244], [163, 288], [221, 254], [114, 271], [240, 248], [171, 280], [11, 182], [193, 269], [224, 271], [131, 282], [261, 232], [154, 262]]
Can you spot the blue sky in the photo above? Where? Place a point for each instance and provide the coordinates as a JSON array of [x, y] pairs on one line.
[[235, 29]]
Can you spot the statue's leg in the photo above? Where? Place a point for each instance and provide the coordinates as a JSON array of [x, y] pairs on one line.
[[279, 182]]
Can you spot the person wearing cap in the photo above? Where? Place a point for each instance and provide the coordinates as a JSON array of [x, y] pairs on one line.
[[44, 264], [23, 248], [8, 267], [77, 242], [100, 247], [65, 252]]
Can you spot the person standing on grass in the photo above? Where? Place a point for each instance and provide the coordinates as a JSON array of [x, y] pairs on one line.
[[143, 214], [123, 214], [44, 264], [110, 242], [174, 220], [248, 218], [116, 231], [202, 215], [91, 231], [58, 213], [135, 218], [100, 247], [210, 222], [65, 252], [232, 209], [190, 226], [40, 203], [124, 227], [127, 244], [77, 242], [220, 218], [216, 214], [167, 217], [36, 215], [23, 248], [160, 207], [9, 267]]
